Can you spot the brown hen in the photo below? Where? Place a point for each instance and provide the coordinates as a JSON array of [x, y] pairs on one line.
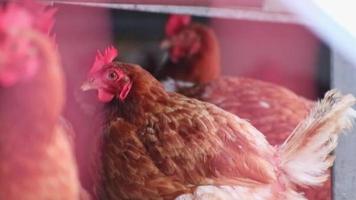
[[36, 157], [160, 145]]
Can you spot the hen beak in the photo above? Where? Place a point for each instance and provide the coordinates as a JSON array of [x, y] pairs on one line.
[[165, 44], [88, 85]]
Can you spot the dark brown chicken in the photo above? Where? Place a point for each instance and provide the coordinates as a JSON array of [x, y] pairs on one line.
[[160, 145], [36, 157]]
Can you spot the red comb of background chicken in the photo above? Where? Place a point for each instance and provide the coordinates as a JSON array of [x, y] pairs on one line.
[[102, 59], [19, 60], [175, 23]]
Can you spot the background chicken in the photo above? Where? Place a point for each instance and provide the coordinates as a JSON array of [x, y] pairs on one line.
[[194, 56], [37, 161], [159, 145]]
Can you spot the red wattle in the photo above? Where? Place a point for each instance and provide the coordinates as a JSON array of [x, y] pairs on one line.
[[104, 96]]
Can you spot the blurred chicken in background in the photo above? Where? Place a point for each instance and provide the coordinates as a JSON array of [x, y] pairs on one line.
[[193, 68], [194, 57], [36, 156]]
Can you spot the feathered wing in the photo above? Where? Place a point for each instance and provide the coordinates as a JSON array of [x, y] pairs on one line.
[[305, 155], [209, 142], [180, 147], [126, 169]]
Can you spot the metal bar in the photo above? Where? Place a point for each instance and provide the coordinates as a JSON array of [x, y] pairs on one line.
[[344, 176], [216, 3], [242, 13]]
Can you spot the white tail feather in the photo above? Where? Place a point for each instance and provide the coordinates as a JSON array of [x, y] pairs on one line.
[[305, 155], [210, 192]]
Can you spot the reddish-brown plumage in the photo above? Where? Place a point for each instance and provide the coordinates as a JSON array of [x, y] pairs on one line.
[[157, 145], [36, 157], [272, 109], [160, 145]]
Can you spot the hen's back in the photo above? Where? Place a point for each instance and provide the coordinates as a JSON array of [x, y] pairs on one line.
[[272, 109]]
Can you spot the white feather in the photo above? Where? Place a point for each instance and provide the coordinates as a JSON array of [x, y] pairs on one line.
[[305, 155]]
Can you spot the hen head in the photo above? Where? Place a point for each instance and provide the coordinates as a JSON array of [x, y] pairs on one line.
[[181, 40], [106, 76], [19, 57]]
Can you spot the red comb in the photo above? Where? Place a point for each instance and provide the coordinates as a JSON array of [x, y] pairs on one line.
[[175, 23], [28, 14], [102, 59]]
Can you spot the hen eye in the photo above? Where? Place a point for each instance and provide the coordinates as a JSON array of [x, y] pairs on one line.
[[112, 76]]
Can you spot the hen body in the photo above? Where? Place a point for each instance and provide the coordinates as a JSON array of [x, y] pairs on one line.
[[159, 145], [37, 161], [272, 109]]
